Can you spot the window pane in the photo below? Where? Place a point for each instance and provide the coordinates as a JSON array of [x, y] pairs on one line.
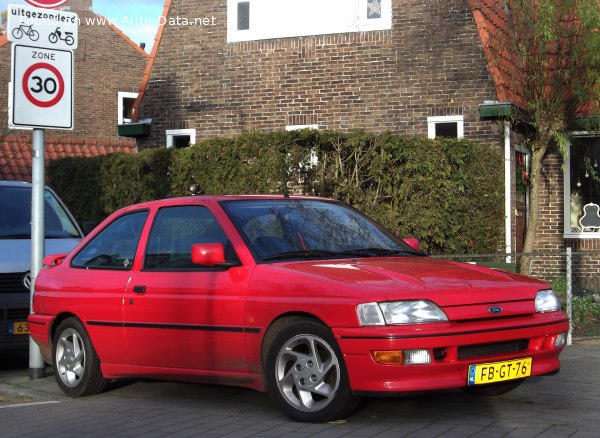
[[446, 130], [181, 141], [128, 104], [174, 232], [585, 177], [243, 16], [373, 9], [115, 246]]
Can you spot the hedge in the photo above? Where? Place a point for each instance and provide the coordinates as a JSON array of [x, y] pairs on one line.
[[446, 192]]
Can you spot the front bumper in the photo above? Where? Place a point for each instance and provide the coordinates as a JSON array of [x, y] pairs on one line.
[[452, 347]]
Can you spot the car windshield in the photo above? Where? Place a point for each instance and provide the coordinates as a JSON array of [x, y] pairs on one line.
[[15, 215], [304, 229]]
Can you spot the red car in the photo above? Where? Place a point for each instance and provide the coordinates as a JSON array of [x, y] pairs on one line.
[[302, 297]]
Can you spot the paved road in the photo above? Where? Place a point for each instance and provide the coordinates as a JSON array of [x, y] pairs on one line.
[[560, 406]]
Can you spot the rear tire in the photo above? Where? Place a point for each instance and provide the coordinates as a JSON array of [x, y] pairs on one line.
[[306, 376], [76, 364]]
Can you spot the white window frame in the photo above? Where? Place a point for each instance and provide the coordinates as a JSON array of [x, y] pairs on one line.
[[568, 234], [314, 158], [172, 133], [459, 120], [121, 95], [306, 17]]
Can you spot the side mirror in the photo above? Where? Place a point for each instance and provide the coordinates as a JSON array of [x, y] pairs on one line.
[[53, 259], [208, 254], [412, 242]]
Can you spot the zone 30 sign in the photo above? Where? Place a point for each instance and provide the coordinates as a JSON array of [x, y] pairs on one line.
[[46, 3], [42, 88]]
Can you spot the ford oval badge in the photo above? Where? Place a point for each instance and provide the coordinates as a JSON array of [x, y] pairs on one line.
[[495, 310]]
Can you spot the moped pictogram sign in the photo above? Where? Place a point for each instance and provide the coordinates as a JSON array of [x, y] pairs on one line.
[[42, 88], [42, 27]]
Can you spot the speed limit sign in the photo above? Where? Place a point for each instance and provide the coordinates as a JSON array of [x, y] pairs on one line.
[[42, 88]]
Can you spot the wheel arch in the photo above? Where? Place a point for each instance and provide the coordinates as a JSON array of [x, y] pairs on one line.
[[278, 324], [58, 320]]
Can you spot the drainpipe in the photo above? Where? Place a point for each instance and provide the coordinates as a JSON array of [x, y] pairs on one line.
[[507, 192]]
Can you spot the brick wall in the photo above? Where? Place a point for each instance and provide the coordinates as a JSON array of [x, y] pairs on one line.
[[550, 240], [105, 63], [430, 63]]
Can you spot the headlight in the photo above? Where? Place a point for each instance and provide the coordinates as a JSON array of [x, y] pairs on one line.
[[546, 301], [399, 312]]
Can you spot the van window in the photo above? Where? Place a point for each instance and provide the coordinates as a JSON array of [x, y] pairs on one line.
[[15, 217]]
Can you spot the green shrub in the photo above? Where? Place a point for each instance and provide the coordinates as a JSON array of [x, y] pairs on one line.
[[77, 181], [446, 192], [585, 310]]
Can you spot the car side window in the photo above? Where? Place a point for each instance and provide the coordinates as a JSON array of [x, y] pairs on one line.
[[173, 233], [115, 246]]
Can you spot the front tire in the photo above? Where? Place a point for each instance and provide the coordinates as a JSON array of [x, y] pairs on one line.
[[306, 376], [76, 365]]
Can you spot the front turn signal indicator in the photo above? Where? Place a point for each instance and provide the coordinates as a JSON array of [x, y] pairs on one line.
[[388, 357]]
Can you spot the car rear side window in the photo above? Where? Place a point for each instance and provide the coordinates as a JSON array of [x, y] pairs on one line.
[[115, 246], [173, 233]]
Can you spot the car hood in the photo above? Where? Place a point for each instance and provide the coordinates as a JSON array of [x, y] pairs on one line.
[[445, 282], [15, 254]]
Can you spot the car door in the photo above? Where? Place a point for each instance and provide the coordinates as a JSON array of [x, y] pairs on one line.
[[181, 315], [101, 271]]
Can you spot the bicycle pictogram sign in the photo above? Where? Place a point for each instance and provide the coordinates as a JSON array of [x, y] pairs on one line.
[[24, 30]]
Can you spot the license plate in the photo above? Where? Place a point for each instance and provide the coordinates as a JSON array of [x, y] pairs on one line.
[[499, 371], [18, 328]]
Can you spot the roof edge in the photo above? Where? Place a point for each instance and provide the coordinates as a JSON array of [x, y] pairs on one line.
[[3, 39], [108, 23], [150, 64]]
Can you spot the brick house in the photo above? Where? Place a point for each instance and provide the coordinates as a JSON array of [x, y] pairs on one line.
[[108, 74], [412, 68]]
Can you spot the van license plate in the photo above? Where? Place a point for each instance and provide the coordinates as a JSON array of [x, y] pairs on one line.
[[18, 328], [499, 371]]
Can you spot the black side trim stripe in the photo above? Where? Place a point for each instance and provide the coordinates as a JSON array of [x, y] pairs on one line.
[[148, 325], [36, 323], [439, 335]]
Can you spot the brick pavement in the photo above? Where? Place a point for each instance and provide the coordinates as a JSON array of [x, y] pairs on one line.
[[559, 406]]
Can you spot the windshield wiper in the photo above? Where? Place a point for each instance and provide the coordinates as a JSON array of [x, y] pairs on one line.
[[302, 254], [16, 236], [373, 252]]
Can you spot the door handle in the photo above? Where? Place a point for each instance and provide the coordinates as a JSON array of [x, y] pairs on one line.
[[139, 289]]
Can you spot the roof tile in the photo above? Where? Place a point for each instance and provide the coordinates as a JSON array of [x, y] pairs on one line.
[[15, 153]]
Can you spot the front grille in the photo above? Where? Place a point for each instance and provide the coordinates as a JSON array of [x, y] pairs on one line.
[[13, 282], [10, 342], [473, 351], [17, 314]]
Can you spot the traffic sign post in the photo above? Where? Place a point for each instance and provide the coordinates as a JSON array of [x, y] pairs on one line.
[[42, 88], [41, 98]]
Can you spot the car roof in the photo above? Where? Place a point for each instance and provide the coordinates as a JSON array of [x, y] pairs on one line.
[[14, 184], [218, 198]]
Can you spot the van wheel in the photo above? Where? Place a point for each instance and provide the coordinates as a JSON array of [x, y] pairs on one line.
[[76, 365], [306, 376]]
